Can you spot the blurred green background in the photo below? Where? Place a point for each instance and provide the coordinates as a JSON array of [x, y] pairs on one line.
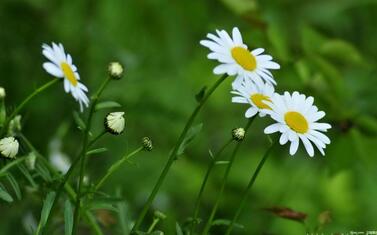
[[326, 48]]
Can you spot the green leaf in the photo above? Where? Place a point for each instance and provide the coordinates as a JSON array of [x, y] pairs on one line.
[[79, 122], [123, 217], [200, 94], [225, 222], [96, 151], [47, 204], [3, 114], [191, 134], [43, 172], [5, 195], [367, 125], [101, 204], [221, 162], [107, 105], [178, 229], [341, 51], [68, 218], [15, 186], [8, 166], [27, 175]]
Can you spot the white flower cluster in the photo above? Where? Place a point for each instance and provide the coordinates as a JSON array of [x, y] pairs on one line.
[[295, 114]]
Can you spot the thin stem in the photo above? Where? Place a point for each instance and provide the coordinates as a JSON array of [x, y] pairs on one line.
[[204, 183], [115, 167], [82, 156], [24, 102], [154, 223], [95, 139], [248, 188], [208, 224], [71, 193], [173, 153]]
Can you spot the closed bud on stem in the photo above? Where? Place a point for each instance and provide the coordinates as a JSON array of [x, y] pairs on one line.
[[238, 134], [2, 93], [9, 147], [15, 125], [147, 144], [115, 70], [159, 215], [30, 161], [115, 123]]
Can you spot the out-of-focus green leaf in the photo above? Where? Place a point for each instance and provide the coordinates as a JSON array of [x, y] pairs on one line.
[[367, 124], [15, 186], [68, 218], [225, 222], [101, 204], [96, 151], [79, 122], [191, 134], [5, 195], [341, 51], [178, 229], [241, 6], [107, 105], [47, 204]]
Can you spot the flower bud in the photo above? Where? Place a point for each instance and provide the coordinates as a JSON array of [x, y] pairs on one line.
[[115, 70], [238, 134], [114, 123], [9, 147], [2, 93], [147, 144], [159, 215], [30, 161], [15, 125]]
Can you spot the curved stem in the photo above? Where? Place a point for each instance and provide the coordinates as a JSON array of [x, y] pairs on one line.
[[208, 224], [24, 102], [82, 155], [95, 139], [173, 153], [249, 186], [115, 167], [204, 183]]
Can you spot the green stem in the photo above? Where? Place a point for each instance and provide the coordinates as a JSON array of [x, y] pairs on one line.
[[82, 155], [173, 153], [249, 186], [115, 167], [24, 102], [208, 224], [204, 183], [68, 188], [95, 139], [154, 223]]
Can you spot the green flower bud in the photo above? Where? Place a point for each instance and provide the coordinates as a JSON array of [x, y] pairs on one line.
[[147, 144], [238, 134], [115, 70]]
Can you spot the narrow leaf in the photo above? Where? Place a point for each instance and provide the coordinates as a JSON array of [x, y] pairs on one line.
[[5, 195], [191, 134], [15, 186], [68, 218], [79, 122], [107, 105], [178, 229], [47, 204], [27, 175], [96, 151], [225, 222]]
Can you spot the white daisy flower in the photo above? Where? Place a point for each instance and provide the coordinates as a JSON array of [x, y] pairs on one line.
[[296, 118], [9, 147], [114, 122], [236, 58], [253, 93], [61, 66]]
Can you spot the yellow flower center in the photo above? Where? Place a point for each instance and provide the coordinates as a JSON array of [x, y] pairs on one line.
[[297, 122], [258, 100], [244, 58], [68, 73]]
